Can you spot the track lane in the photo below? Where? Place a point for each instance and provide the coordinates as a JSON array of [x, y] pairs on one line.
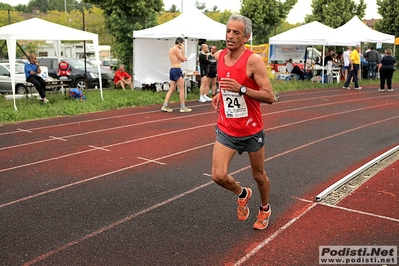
[[180, 242]]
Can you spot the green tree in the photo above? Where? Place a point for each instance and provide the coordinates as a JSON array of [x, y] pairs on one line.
[[166, 16], [4, 6], [173, 9], [266, 15], [389, 10], [335, 13], [45, 5], [122, 17], [94, 21], [199, 5], [13, 18]]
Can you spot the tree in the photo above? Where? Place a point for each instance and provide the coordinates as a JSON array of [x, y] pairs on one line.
[[199, 5], [388, 9], [122, 17], [266, 15], [45, 5], [94, 21], [166, 16], [13, 18], [173, 9], [335, 13], [4, 6]]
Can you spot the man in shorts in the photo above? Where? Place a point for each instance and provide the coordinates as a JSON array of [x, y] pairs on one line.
[[176, 56], [244, 84]]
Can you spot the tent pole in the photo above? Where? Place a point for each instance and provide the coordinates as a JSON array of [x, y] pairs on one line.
[[185, 67]]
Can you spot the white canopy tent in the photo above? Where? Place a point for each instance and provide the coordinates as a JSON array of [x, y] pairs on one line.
[[313, 33], [38, 29], [354, 32], [151, 46]]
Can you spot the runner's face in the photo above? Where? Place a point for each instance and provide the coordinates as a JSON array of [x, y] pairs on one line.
[[235, 37]]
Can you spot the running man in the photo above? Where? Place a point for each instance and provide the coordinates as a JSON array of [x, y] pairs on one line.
[[244, 84]]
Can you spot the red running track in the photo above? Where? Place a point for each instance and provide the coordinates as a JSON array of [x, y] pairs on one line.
[[132, 186]]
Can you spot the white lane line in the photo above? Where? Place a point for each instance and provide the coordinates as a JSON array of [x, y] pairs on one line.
[[56, 138], [212, 112], [274, 235], [24, 130], [309, 92], [352, 210], [184, 151], [180, 130], [104, 147], [151, 161], [98, 176], [361, 212], [98, 148], [114, 224], [313, 204]]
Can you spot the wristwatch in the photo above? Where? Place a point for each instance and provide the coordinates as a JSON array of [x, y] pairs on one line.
[[243, 90]]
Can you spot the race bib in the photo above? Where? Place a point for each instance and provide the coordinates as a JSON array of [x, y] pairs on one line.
[[234, 105]]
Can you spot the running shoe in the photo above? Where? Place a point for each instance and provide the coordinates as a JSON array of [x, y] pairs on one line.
[[207, 98], [242, 208], [202, 99], [346, 88], [262, 220], [185, 110], [166, 109], [390, 89], [45, 100], [358, 88], [380, 89]]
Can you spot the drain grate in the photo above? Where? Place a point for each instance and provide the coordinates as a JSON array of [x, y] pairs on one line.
[[338, 194]]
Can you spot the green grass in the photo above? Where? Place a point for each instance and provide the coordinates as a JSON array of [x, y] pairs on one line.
[[31, 108]]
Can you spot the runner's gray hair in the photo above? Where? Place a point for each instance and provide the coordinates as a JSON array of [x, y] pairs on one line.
[[247, 22]]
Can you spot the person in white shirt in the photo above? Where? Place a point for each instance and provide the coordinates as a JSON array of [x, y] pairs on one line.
[[346, 57]]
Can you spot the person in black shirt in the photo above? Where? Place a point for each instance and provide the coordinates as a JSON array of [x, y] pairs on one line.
[[212, 69], [204, 69], [386, 68]]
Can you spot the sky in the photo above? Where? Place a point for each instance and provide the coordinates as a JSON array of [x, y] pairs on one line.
[[297, 14]]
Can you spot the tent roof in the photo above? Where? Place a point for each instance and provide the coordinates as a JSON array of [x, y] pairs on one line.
[[355, 31], [192, 23], [38, 29], [312, 33]]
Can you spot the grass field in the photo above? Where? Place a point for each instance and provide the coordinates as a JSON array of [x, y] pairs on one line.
[[31, 108]]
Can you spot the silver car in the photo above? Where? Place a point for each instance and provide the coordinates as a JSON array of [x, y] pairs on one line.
[[5, 79]]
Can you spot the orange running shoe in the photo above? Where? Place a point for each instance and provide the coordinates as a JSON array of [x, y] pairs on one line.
[[242, 208], [263, 219]]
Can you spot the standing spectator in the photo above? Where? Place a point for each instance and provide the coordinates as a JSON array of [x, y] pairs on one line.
[[354, 67], [204, 70], [373, 60], [386, 68], [346, 57], [244, 84], [122, 78], [32, 69], [212, 69], [176, 57]]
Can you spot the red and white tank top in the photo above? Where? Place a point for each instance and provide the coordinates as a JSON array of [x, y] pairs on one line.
[[240, 115]]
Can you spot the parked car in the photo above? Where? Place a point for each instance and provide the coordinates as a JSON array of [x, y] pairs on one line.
[[5, 78], [77, 76]]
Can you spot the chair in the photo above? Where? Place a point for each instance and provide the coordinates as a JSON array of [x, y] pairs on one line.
[[281, 69], [335, 73]]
